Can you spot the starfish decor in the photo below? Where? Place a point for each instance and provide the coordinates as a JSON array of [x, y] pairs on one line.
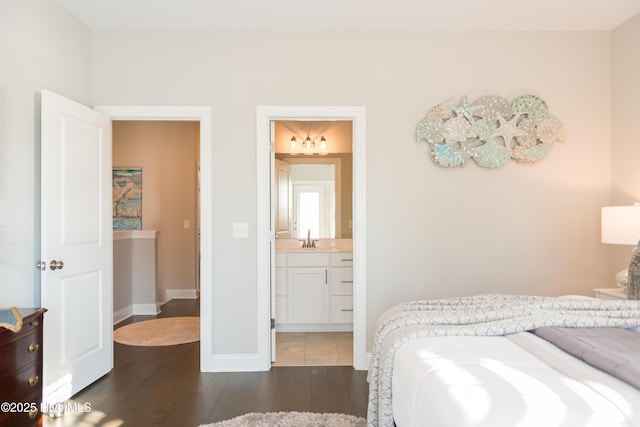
[[459, 131], [508, 129]]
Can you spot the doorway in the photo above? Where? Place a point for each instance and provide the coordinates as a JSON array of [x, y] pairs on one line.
[[203, 116], [314, 201], [164, 155], [266, 245]]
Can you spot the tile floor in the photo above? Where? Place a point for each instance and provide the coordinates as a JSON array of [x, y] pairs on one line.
[[314, 349]]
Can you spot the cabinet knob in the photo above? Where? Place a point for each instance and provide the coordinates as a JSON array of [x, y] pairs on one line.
[[33, 347], [33, 380]]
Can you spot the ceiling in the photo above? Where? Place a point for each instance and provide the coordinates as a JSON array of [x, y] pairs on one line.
[[433, 15]]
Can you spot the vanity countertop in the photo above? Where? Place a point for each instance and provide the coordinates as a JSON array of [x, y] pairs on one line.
[[320, 249], [323, 245]]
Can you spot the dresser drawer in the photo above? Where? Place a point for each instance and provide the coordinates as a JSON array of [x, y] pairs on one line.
[[342, 259], [29, 418], [341, 309], [22, 383], [22, 352], [21, 370]]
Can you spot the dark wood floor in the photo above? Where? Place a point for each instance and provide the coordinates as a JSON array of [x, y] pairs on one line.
[[163, 386]]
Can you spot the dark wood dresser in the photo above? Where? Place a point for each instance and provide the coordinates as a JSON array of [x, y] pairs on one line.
[[21, 371]]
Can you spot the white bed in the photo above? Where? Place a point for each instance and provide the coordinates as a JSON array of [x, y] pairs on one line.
[[470, 362], [513, 380]]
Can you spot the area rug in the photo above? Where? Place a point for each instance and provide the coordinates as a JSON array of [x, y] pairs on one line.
[[159, 332], [291, 419]]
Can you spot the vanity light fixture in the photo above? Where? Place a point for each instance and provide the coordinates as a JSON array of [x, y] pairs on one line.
[[308, 146]]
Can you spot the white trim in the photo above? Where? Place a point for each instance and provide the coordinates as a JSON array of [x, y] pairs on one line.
[[135, 310], [233, 362], [265, 114], [122, 314], [180, 294], [203, 115], [146, 309]]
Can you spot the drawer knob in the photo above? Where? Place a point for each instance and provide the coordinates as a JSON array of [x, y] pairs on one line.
[[33, 412], [33, 347], [33, 380]]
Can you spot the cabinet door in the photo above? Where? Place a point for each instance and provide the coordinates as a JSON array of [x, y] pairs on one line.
[[308, 295]]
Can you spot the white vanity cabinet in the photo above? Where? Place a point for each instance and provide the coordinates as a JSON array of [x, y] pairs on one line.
[[314, 291]]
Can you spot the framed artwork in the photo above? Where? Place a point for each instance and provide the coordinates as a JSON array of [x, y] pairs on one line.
[[127, 198]]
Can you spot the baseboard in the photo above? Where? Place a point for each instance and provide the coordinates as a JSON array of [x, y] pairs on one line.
[[233, 363], [180, 294], [122, 314], [314, 327], [146, 309], [135, 309]]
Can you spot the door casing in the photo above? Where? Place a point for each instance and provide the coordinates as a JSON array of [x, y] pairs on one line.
[[265, 237], [200, 114]]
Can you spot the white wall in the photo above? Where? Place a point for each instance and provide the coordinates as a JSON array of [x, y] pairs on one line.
[[625, 105], [42, 47], [432, 232]]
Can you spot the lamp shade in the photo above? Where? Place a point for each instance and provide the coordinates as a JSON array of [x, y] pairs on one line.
[[621, 225]]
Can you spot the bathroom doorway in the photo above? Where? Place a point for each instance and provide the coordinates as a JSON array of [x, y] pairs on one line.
[[312, 201], [267, 117]]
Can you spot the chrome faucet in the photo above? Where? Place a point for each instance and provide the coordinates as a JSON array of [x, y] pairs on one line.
[[309, 243]]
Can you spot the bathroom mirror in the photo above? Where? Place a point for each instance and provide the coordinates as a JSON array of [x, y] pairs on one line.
[[313, 192]]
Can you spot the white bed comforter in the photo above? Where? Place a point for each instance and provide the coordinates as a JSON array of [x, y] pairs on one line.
[[484, 315], [505, 381]]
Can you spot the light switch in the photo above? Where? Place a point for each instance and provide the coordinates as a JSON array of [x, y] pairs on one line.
[[240, 230], [186, 224]]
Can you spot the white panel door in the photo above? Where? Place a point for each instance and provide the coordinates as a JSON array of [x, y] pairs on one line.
[[76, 246]]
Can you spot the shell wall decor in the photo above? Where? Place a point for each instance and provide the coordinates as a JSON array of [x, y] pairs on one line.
[[490, 130]]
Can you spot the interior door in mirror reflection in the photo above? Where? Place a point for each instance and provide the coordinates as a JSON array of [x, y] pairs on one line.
[[314, 210]]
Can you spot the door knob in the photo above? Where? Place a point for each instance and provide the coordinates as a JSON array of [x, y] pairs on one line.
[[56, 265], [41, 265]]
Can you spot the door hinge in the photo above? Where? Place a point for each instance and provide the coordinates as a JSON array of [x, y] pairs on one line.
[[272, 147], [273, 323]]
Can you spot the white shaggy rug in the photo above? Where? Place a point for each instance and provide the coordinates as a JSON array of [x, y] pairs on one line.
[[291, 419], [159, 332]]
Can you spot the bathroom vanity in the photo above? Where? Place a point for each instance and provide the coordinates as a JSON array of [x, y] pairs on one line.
[[314, 289]]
